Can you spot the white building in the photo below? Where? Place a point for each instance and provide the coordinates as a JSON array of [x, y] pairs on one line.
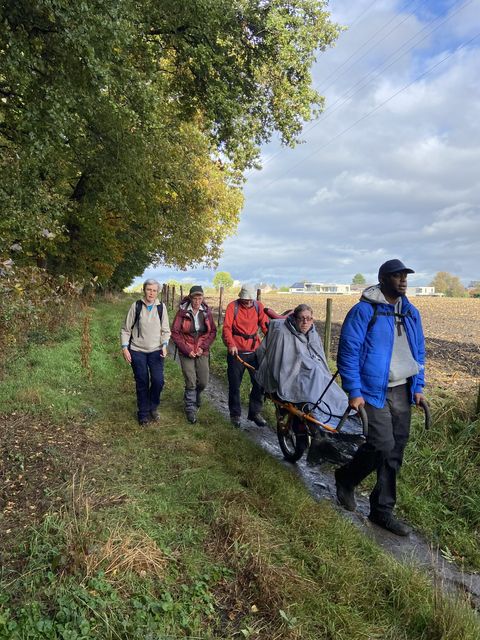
[[422, 291], [319, 287]]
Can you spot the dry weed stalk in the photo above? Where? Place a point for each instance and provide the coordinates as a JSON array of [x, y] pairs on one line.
[[86, 344], [121, 553]]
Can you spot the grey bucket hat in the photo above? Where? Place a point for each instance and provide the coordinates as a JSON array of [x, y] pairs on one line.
[[247, 293]]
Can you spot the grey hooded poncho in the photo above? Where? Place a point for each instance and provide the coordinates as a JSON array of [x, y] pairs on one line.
[[293, 365]]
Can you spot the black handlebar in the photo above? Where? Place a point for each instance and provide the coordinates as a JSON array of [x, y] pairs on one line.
[[426, 409], [343, 419], [363, 419]]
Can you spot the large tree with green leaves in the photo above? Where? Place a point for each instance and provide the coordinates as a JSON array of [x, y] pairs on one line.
[[222, 279], [358, 278], [126, 126]]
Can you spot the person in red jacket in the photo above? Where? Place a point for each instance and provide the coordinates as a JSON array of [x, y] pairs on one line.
[[243, 318], [193, 331]]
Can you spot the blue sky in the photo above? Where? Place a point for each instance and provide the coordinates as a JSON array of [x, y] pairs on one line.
[[390, 169]]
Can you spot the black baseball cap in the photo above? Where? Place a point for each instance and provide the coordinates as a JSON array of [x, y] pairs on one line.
[[195, 290], [393, 266]]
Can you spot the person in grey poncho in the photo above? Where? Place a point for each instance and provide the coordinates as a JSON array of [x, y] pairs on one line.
[[293, 365]]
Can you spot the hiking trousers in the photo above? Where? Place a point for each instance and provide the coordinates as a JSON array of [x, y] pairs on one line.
[[235, 371], [195, 373], [149, 380], [388, 432]]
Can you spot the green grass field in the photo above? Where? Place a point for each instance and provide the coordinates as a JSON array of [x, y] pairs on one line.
[[178, 530]]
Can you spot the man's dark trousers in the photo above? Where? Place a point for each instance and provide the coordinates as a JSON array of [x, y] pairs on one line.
[[148, 372], [235, 371], [388, 431]]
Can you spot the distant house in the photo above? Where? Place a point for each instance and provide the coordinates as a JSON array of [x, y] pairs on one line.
[[422, 291], [358, 288], [319, 287], [264, 287]]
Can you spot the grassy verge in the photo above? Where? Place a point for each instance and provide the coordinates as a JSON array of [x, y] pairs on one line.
[[440, 486], [180, 530]]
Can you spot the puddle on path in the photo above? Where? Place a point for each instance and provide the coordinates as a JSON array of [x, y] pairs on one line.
[[320, 482]]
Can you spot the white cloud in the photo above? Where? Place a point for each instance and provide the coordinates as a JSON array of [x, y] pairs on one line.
[[373, 182], [323, 195]]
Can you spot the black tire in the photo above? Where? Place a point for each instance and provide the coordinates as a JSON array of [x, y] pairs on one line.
[[292, 442]]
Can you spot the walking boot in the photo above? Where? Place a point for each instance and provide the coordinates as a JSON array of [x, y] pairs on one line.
[[258, 419], [345, 493], [191, 416], [390, 523]]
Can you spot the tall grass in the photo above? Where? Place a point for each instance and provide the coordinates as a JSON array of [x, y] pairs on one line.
[[440, 483]]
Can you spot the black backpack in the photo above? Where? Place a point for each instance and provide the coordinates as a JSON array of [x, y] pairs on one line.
[[138, 310], [399, 318]]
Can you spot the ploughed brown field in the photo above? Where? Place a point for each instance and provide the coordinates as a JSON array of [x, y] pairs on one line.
[[451, 326]]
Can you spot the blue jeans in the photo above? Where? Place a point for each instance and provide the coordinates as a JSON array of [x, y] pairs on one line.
[[148, 372]]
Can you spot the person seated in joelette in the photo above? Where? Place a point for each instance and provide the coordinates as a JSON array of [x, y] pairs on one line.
[[292, 364]]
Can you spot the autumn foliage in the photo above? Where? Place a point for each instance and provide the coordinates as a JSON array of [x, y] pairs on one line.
[[126, 126]]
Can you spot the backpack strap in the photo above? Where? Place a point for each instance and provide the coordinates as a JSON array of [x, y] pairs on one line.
[[373, 319], [246, 336], [138, 311]]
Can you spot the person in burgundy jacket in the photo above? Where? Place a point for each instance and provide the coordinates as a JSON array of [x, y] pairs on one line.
[[243, 318], [193, 331]]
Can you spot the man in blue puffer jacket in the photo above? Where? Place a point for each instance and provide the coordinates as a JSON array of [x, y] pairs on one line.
[[381, 359]]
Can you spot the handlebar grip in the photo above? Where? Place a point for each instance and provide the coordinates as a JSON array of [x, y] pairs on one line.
[[426, 408], [364, 419], [343, 419]]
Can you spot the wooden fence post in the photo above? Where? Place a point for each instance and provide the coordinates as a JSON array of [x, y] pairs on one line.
[[173, 296], [220, 310], [181, 293], [259, 294], [328, 328], [164, 292], [167, 300]]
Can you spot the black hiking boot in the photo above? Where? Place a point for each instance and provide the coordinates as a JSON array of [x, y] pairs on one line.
[[258, 419], [345, 493], [390, 523], [191, 416]]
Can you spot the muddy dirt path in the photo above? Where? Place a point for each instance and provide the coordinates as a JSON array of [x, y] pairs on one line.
[[320, 483]]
